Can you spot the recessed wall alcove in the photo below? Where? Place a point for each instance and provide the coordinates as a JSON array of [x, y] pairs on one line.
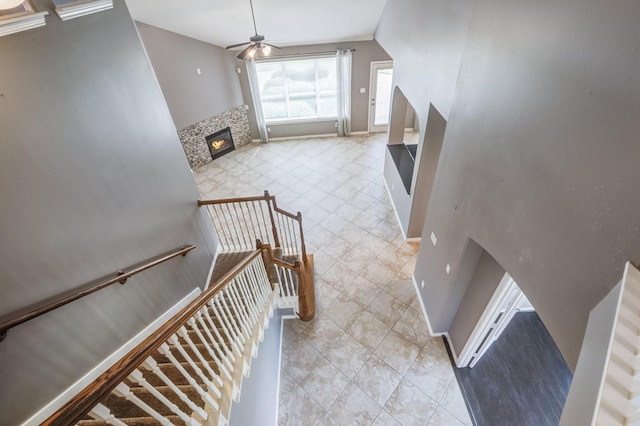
[[411, 161]]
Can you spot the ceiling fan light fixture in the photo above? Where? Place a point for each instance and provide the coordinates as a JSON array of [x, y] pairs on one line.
[[266, 50], [252, 52]]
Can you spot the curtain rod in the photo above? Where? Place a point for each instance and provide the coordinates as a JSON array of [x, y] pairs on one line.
[[297, 55]]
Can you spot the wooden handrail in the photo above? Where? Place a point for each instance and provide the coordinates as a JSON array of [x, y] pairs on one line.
[[30, 312], [82, 403]]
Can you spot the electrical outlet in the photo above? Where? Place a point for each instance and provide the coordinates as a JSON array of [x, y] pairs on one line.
[[422, 284], [239, 70], [268, 129], [363, 90], [198, 71], [448, 269], [434, 240], [393, 186]]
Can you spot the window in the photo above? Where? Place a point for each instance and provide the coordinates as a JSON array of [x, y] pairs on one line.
[[299, 89]]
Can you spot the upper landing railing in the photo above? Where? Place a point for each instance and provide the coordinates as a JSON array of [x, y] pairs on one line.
[[239, 222]]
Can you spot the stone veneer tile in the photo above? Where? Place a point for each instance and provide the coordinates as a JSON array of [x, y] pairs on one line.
[[193, 137]]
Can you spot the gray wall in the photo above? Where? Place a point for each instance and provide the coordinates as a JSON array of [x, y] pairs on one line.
[[92, 179], [539, 163], [259, 398], [366, 51], [481, 287], [191, 97]]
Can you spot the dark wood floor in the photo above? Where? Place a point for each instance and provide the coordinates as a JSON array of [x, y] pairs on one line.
[[521, 380]]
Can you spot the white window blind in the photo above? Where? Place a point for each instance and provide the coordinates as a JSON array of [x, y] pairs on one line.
[[298, 89]]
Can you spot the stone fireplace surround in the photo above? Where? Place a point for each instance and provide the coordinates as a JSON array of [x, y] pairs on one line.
[[193, 137]]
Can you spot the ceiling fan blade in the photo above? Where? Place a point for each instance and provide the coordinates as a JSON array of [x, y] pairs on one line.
[[237, 45], [245, 51], [271, 45]]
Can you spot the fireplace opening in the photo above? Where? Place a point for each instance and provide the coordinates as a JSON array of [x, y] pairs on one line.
[[220, 143]]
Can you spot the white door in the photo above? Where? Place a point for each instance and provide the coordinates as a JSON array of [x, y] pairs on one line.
[[380, 95], [504, 304]]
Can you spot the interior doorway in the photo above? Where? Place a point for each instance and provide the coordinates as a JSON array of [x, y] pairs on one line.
[[380, 95], [506, 302]]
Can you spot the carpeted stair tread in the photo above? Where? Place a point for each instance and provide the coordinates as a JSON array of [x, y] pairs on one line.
[[122, 408], [136, 421], [226, 262]]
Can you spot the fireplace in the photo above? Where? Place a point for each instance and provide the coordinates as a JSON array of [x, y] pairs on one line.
[[220, 143]]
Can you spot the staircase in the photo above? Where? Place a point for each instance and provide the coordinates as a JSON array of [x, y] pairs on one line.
[[620, 400], [606, 384], [190, 371]]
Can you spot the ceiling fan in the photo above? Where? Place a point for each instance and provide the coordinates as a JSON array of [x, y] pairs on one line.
[[256, 43]]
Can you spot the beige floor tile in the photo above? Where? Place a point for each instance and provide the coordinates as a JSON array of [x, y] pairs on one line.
[[385, 419], [397, 351], [387, 308], [322, 333], [325, 383], [379, 274], [453, 402], [299, 409], [348, 355], [322, 262], [368, 330], [394, 257], [413, 326], [354, 407], [402, 289], [377, 379], [442, 417], [287, 385], [339, 276], [299, 359], [327, 420], [431, 374], [343, 311], [409, 405], [372, 245], [356, 260], [361, 291]]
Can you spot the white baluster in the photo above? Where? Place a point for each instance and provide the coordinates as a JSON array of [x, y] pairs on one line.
[[100, 412], [123, 391], [166, 351], [137, 377], [228, 317], [235, 308], [218, 361], [226, 353], [173, 340], [220, 315], [151, 365]]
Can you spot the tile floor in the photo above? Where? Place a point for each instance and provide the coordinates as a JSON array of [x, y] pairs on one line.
[[367, 358]]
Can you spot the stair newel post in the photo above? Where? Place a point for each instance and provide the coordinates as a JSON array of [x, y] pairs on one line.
[[306, 293], [304, 249], [269, 199]]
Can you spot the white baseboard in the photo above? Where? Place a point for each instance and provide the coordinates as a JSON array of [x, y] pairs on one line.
[[92, 375], [452, 348], [364, 132], [414, 239], [424, 310]]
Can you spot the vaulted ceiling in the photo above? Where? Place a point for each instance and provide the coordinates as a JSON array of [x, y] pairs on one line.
[[284, 22]]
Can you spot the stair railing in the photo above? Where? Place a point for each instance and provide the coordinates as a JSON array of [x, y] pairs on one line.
[[30, 312], [295, 282], [208, 344], [239, 222]]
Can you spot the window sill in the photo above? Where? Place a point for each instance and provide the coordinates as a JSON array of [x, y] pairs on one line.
[[301, 121]]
